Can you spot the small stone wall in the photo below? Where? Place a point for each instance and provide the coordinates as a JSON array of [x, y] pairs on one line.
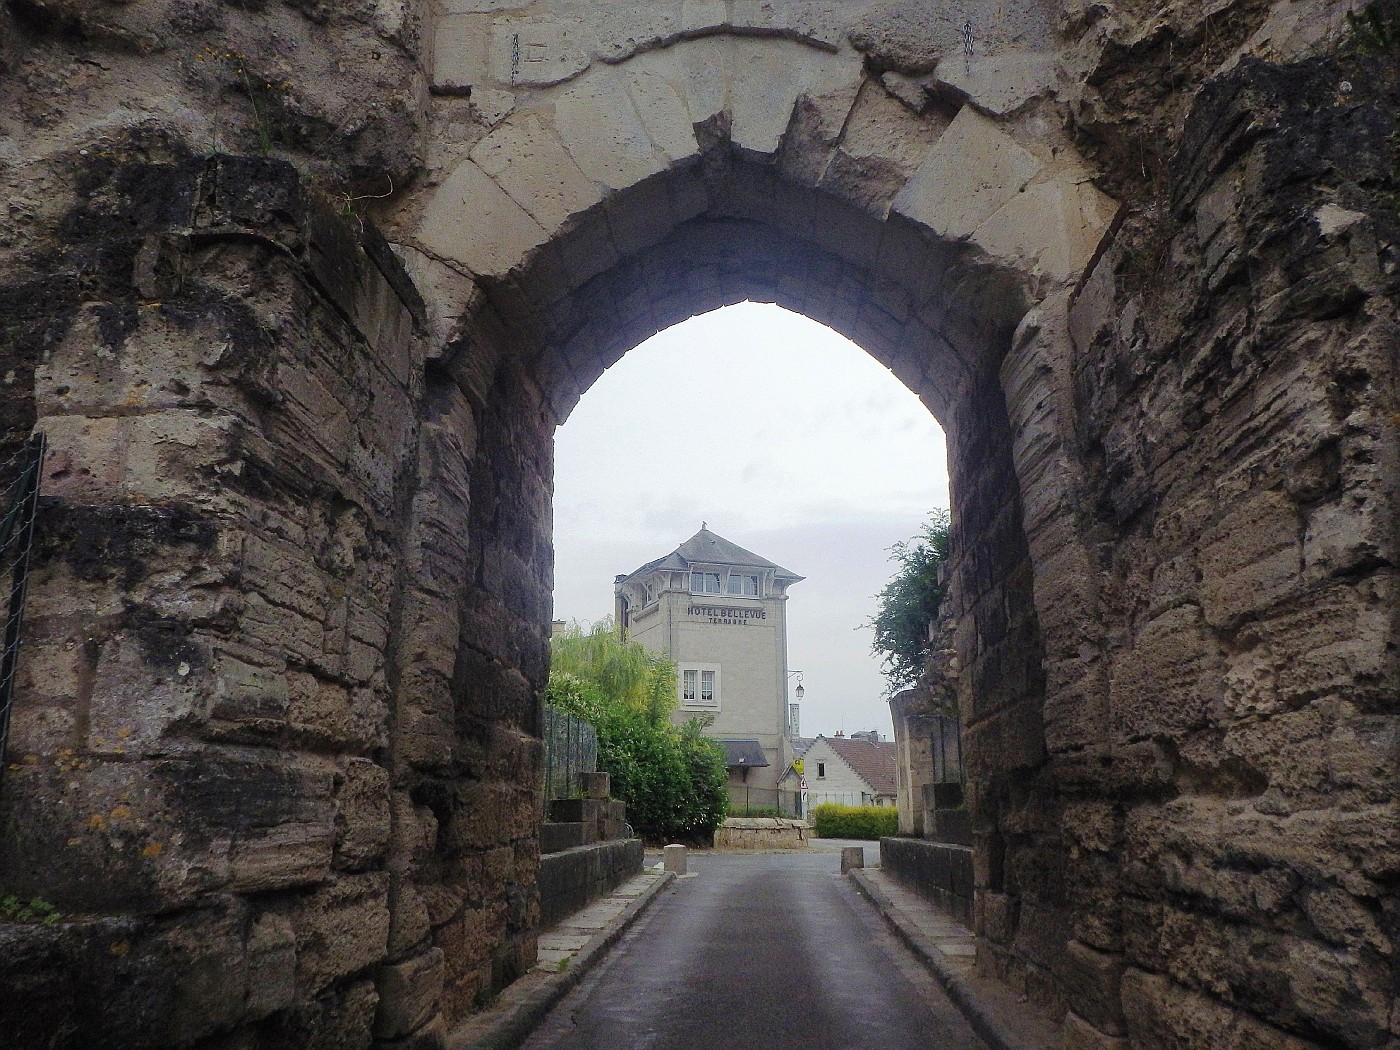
[[939, 871], [761, 833], [570, 880]]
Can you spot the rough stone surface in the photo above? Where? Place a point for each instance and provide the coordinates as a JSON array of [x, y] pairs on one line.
[[276, 733]]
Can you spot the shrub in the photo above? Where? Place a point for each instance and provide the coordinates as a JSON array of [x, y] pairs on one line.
[[672, 778], [854, 822], [909, 602]]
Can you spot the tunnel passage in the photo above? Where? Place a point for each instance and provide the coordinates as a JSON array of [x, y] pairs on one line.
[[275, 747]]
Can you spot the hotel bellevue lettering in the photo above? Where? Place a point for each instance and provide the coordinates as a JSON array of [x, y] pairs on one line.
[[727, 614]]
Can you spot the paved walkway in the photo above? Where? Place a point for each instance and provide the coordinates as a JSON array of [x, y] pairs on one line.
[[761, 950], [936, 962], [562, 944], [948, 951]]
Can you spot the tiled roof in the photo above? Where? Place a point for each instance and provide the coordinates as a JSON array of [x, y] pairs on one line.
[[709, 549], [743, 753], [875, 763]]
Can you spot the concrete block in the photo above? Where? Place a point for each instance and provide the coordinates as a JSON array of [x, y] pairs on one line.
[[852, 857], [673, 857]]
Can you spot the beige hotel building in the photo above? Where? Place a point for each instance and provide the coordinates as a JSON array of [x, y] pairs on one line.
[[719, 613]]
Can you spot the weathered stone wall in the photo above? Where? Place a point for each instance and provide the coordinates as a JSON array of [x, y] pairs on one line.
[[197, 775], [276, 748]]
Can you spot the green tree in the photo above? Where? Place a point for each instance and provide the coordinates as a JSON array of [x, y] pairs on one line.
[[910, 601], [672, 779]]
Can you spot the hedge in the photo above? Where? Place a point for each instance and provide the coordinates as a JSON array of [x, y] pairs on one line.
[[854, 822]]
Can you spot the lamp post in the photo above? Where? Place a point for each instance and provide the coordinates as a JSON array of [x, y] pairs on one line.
[[792, 733]]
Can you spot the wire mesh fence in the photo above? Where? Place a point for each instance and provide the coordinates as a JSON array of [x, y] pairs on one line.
[[19, 503], [570, 750]]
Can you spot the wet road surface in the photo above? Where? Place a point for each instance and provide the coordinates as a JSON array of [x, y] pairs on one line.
[[758, 951]]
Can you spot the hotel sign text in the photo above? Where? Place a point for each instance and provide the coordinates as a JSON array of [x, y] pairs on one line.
[[727, 614]]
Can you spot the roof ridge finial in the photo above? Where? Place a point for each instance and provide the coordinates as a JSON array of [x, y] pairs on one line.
[[704, 525]]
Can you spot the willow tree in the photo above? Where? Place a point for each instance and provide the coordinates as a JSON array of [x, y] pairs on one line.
[[672, 778]]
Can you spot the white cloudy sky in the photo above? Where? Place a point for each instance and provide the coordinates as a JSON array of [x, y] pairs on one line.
[[788, 440]]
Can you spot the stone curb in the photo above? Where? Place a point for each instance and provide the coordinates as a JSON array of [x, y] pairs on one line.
[[981, 1015], [510, 1021]]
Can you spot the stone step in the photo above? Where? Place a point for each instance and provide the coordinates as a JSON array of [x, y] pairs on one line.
[[574, 809], [557, 836]]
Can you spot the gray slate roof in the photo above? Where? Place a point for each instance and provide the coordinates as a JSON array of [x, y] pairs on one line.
[[743, 753], [707, 548]]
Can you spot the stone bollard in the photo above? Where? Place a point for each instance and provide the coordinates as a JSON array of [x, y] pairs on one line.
[[851, 857], [673, 856]]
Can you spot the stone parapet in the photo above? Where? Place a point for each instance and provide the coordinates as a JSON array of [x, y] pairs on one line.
[[569, 880], [762, 833], [938, 871]]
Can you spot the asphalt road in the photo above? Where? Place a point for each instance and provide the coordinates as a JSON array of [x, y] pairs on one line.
[[757, 951]]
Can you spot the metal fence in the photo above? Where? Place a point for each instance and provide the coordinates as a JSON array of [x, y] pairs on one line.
[[19, 502], [570, 750], [946, 741], [745, 801], [842, 798]]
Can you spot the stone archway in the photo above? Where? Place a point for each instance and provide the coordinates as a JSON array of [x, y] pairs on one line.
[[276, 744], [944, 241]]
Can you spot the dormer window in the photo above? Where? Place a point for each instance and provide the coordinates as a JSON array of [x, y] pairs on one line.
[[704, 583], [743, 585]]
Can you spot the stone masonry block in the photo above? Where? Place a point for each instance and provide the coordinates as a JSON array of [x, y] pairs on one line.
[[587, 810], [973, 170], [1079, 1034], [1090, 980], [604, 134], [408, 993], [597, 785], [362, 813], [499, 235], [341, 929], [528, 161]]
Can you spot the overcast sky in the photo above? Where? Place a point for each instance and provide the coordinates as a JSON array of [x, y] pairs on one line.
[[788, 440]]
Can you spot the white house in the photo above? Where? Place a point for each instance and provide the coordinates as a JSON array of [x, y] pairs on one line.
[[858, 770]]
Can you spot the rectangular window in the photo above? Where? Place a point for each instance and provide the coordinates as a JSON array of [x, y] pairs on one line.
[[743, 585], [700, 687], [821, 770], [704, 583]]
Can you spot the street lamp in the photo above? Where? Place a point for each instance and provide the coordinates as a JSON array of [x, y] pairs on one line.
[[799, 692]]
